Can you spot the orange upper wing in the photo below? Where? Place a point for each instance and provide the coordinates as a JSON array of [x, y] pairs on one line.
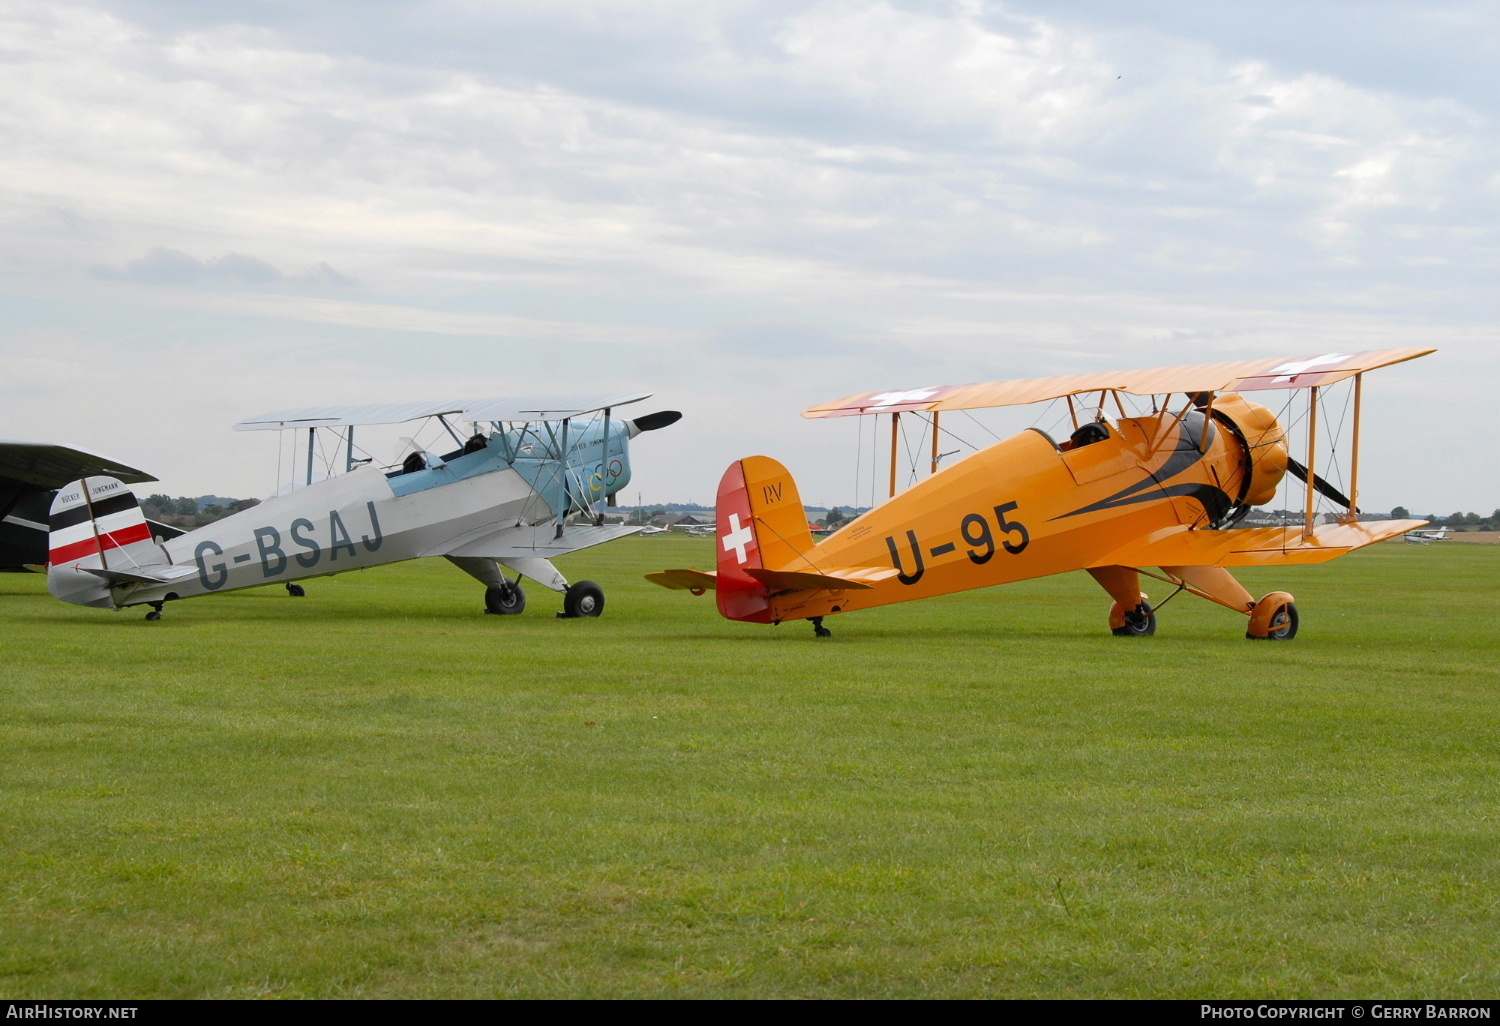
[[1235, 376]]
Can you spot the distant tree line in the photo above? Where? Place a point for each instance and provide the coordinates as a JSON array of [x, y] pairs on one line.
[[184, 513], [1456, 521]]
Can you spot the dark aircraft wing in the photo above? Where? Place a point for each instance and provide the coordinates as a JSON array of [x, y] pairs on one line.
[[30, 473], [44, 465]]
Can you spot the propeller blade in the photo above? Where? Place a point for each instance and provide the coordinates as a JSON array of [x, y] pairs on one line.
[[1325, 489]]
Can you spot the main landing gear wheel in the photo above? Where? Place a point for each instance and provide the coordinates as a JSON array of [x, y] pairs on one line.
[[506, 600], [582, 599], [1140, 622], [1274, 618], [295, 590]]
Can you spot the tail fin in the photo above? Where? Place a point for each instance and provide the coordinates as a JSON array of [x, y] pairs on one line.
[[761, 526], [95, 524]]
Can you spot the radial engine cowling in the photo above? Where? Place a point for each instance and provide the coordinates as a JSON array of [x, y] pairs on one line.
[[1264, 441]]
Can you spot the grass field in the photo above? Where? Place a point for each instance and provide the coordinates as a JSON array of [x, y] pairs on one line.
[[376, 791]]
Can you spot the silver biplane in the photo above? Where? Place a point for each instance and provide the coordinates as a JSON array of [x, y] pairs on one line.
[[523, 488]]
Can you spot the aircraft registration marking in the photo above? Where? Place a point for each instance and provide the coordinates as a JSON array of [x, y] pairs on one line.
[[976, 530], [274, 558]]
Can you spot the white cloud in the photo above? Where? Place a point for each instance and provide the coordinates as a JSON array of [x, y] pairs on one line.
[[920, 190]]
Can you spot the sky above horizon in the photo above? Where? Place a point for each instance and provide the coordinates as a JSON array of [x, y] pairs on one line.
[[210, 210]]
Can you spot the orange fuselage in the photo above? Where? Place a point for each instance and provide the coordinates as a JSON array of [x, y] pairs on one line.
[[1020, 509]]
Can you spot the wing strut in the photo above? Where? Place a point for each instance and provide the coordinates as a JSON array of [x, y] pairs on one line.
[[1312, 455], [609, 497], [895, 434], [1353, 514]]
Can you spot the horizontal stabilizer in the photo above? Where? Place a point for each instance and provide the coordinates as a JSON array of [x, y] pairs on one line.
[[696, 581], [142, 574], [859, 578], [539, 541], [1260, 546]]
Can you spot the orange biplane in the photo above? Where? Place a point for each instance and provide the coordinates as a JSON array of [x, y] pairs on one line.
[[1160, 490]]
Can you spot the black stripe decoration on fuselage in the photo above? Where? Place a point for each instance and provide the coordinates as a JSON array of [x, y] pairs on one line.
[[1216, 502]]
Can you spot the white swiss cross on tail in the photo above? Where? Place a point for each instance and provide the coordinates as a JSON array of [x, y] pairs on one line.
[[738, 538], [738, 595]]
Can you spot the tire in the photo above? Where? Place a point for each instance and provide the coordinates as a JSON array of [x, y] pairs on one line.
[[583, 599], [296, 590], [505, 601], [1273, 618], [1284, 623], [1137, 625]]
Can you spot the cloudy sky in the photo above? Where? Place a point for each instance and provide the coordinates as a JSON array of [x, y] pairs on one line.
[[213, 209]]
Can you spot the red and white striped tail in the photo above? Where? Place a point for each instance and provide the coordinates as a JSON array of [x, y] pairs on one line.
[[97, 522]]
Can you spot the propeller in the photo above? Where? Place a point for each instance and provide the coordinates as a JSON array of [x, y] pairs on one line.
[[653, 421], [1325, 489]]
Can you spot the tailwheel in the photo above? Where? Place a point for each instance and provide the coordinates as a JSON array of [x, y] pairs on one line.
[[155, 613], [1139, 622], [506, 600], [295, 590], [819, 631], [1274, 618], [582, 599]]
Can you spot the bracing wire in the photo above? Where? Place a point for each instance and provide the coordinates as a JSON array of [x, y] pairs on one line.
[[980, 425], [948, 432], [911, 461], [1337, 434]]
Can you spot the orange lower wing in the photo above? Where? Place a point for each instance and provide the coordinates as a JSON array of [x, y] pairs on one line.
[[1263, 546]]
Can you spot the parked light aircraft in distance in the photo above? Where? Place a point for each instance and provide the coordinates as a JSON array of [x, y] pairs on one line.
[[1115, 498], [30, 475], [653, 532], [520, 490], [1426, 537]]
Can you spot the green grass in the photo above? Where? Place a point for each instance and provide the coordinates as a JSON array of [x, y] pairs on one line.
[[375, 791]]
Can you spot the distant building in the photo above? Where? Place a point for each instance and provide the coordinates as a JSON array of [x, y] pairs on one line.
[[683, 520], [1294, 517]]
